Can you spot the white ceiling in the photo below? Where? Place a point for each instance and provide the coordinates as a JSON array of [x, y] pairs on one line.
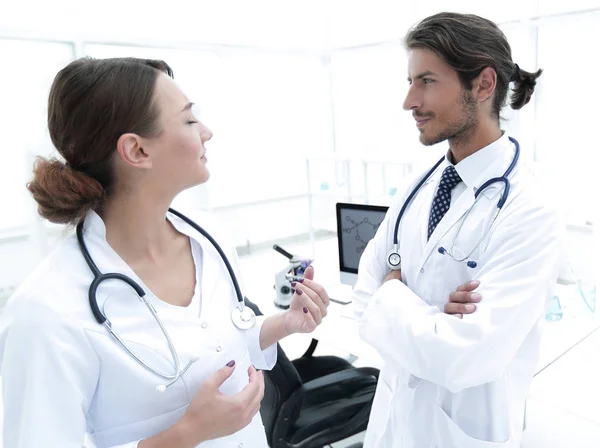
[[309, 25]]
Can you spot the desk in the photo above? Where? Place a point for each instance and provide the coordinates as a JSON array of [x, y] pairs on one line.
[[577, 322]]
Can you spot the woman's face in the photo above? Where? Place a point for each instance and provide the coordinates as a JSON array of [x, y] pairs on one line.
[[178, 153]]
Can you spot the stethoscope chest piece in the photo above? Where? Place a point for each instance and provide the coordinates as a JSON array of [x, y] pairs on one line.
[[244, 320], [394, 260]]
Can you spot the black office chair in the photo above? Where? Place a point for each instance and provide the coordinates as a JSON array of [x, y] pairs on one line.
[[314, 401]]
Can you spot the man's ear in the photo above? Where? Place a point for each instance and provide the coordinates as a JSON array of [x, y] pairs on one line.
[[484, 85]]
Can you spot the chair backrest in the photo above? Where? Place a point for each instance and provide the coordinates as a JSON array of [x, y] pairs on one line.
[[280, 383]]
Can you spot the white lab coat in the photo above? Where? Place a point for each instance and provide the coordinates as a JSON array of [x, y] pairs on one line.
[[447, 382], [63, 375]]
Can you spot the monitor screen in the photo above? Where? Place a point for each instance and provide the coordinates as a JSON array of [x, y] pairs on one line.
[[356, 226]]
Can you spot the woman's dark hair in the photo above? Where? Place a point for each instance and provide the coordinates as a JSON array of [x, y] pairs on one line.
[[92, 102], [468, 44]]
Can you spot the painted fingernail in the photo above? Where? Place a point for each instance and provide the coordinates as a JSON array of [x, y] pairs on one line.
[[299, 292], [293, 284], [470, 308], [305, 310], [475, 296], [230, 364], [301, 280]]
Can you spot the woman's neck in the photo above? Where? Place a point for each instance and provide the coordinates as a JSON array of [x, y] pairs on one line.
[[137, 227]]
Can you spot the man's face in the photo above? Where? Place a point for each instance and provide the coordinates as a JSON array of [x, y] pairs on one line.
[[442, 108]]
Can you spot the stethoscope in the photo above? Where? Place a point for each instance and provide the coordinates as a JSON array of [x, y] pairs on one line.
[[394, 260], [241, 316]]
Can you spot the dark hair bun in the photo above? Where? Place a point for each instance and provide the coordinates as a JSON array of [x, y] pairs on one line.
[[64, 195], [524, 85]]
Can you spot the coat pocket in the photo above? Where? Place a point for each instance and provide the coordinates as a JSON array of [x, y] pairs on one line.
[[449, 435]]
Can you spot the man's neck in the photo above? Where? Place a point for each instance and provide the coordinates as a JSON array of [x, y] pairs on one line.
[[481, 137]]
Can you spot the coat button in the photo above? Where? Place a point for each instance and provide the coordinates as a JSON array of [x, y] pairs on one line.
[[240, 445], [422, 270], [204, 325], [219, 348]]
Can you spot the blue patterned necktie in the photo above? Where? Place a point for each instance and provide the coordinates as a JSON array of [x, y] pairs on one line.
[[441, 202]]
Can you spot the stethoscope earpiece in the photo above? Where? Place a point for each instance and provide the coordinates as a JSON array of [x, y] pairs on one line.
[[471, 264]]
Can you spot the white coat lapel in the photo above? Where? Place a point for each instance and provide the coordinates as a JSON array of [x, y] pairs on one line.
[[214, 271], [456, 212]]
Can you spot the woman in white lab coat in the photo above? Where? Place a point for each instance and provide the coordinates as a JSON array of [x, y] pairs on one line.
[[131, 143], [459, 381]]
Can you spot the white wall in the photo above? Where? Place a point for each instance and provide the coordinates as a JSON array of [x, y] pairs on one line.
[[277, 82]]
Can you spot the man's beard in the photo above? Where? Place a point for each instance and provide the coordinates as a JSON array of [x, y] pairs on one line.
[[464, 129]]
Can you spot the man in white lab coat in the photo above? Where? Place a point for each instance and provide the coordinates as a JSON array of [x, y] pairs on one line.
[[458, 364]]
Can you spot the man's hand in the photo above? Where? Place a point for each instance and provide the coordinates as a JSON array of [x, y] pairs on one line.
[[393, 275], [461, 301]]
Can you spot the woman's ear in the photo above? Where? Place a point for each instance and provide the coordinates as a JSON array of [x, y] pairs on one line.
[[129, 147]]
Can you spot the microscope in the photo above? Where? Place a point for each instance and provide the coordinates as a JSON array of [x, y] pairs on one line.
[[283, 279]]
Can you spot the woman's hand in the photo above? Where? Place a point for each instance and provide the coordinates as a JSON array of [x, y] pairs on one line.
[[309, 305], [211, 414]]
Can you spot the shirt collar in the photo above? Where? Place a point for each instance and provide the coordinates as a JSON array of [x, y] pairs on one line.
[[471, 169], [93, 225]]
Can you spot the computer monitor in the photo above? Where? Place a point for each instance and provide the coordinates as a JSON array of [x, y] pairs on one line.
[[356, 226]]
